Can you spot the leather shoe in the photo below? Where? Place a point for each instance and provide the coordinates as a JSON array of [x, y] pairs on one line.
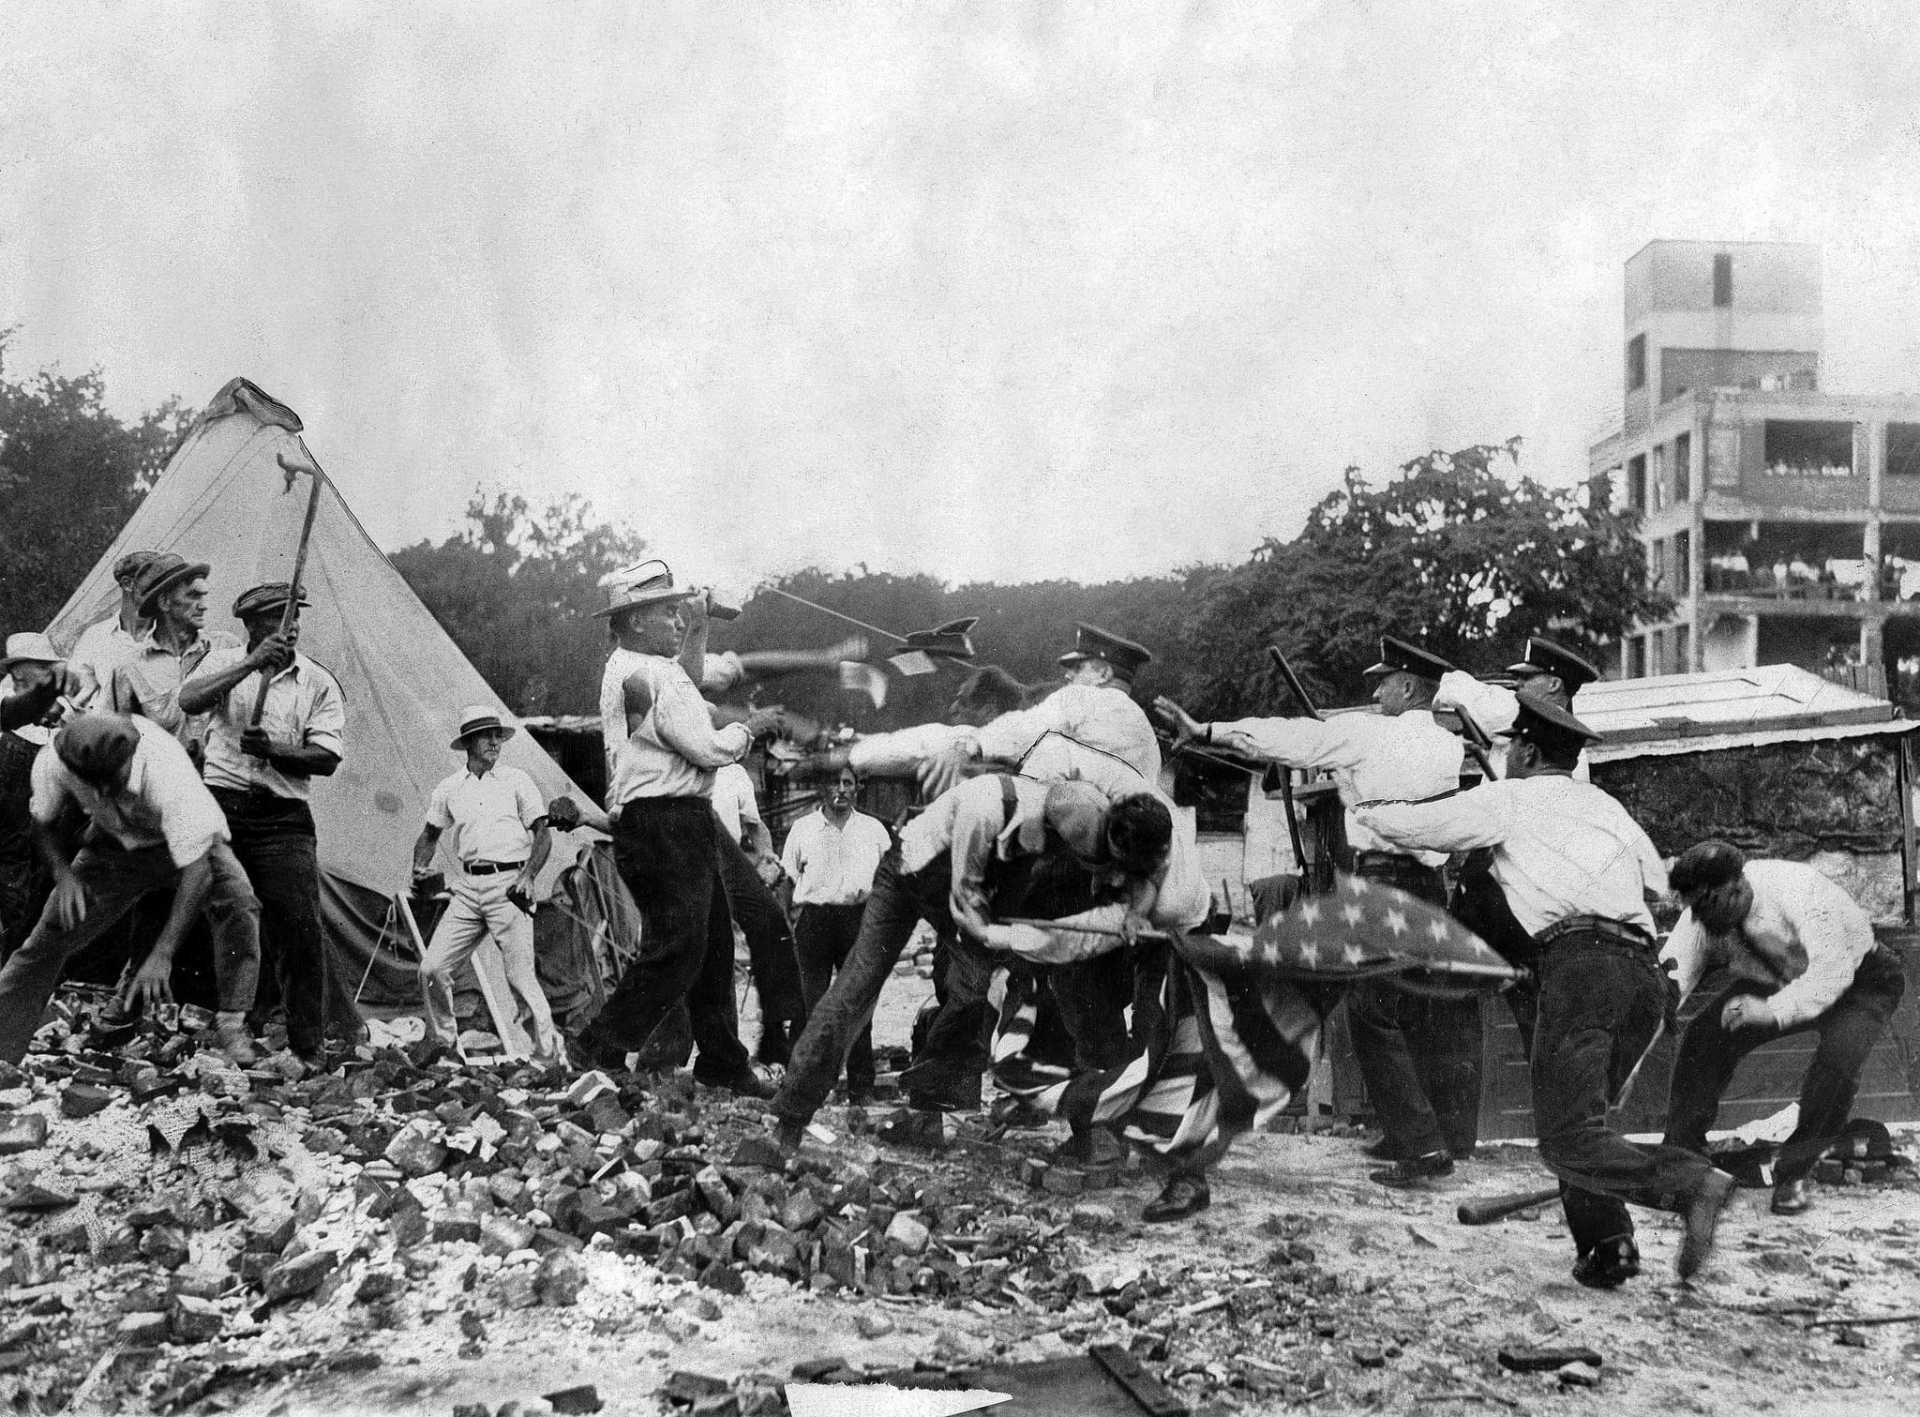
[[1709, 1198], [1410, 1172], [1791, 1198], [746, 1083], [1608, 1264], [1179, 1198]]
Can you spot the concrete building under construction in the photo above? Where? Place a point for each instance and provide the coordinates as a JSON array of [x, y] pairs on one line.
[[1784, 520]]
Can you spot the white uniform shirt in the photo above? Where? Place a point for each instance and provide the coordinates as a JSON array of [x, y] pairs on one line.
[[304, 707], [1803, 929], [733, 801], [1560, 847], [1101, 717], [673, 748], [163, 804], [489, 818], [1373, 757], [834, 865]]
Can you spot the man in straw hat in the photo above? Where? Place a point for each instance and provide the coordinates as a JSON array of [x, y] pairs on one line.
[[500, 840], [32, 680], [262, 776], [1579, 871], [662, 751], [153, 825]]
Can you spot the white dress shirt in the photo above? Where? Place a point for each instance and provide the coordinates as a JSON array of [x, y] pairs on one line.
[[1804, 938], [673, 748], [101, 649], [304, 707], [163, 804], [834, 864], [1103, 717], [1561, 847], [488, 818], [1373, 757], [733, 800]]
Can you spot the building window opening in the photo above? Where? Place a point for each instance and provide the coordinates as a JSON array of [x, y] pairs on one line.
[[1683, 468], [1683, 649], [1658, 484], [1808, 449], [1722, 281], [1785, 561], [1682, 563], [1903, 450], [1637, 483], [1900, 561], [1636, 363]]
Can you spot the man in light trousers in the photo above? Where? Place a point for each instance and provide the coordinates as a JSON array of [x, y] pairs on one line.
[[500, 840]]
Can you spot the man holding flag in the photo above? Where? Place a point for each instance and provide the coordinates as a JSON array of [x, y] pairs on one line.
[[1578, 871]]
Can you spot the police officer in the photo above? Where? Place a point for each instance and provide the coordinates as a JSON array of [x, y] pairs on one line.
[[1577, 871], [1420, 1056]]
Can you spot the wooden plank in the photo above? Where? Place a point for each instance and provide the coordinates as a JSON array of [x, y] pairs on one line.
[[490, 969]]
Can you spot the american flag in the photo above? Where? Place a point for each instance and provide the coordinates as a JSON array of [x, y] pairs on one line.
[[1226, 1025]]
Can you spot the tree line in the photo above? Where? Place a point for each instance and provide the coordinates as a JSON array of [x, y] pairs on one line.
[[1459, 550]]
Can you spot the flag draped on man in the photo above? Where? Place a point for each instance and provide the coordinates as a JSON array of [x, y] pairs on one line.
[[1226, 1025]]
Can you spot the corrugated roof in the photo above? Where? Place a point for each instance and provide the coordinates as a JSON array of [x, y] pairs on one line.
[[1692, 713]]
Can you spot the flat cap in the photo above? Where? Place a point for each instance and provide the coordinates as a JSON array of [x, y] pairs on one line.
[[1092, 642], [261, 599], [1398, 656]]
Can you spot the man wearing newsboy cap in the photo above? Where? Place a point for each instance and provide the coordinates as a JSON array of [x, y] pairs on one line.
[[153, 824], [262, 776], [108, 643]]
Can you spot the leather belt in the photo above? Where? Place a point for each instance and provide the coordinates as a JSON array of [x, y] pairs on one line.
[[491, 868], [1360, 861], [1618, 931]]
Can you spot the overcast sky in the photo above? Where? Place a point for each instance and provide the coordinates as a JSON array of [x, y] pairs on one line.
[[991, 290]]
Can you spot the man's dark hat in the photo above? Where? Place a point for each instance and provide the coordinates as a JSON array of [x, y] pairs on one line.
[[161, 574], [1399, 657], [948, 641], [1092, 642], [1551, 726], [126, 570], [96, 746], [1705, 866], [264, 598], [1546, 657]]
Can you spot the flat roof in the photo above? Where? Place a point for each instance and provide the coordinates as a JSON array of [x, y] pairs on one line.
[[1691, 713]]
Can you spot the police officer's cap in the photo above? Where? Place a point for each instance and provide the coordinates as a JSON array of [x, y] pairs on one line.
[[1092, 642], [1551, 727], [1546, 657], [1399, 657]]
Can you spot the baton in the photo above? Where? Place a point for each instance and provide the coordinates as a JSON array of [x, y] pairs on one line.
[[1293, 681]]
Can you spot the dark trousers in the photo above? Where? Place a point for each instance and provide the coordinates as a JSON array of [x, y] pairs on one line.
[[1081, 1019], [1601, 1002], [274, 842], [899, 902], [113, 879], [24, 878], [770, 949], [665, 849], [1419, 1056], [824, 937], [1848, 1031]]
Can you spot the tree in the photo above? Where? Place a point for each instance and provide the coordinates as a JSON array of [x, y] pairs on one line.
[[517, 594], [1452, 554], [71, 473]]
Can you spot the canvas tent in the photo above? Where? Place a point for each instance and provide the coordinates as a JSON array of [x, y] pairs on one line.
[[226, 499]]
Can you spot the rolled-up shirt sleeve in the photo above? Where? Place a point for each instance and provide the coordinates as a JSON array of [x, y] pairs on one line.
[[681, 717], [49, 787], [1684, 955], [327, 720]]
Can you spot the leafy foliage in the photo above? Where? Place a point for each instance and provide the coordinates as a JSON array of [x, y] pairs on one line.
[[517, 593], [71, 473], [1452, 554]]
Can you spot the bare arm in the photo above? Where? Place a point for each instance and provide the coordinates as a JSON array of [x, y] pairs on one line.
[[204, 691], [423, 849], [152, 983]]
